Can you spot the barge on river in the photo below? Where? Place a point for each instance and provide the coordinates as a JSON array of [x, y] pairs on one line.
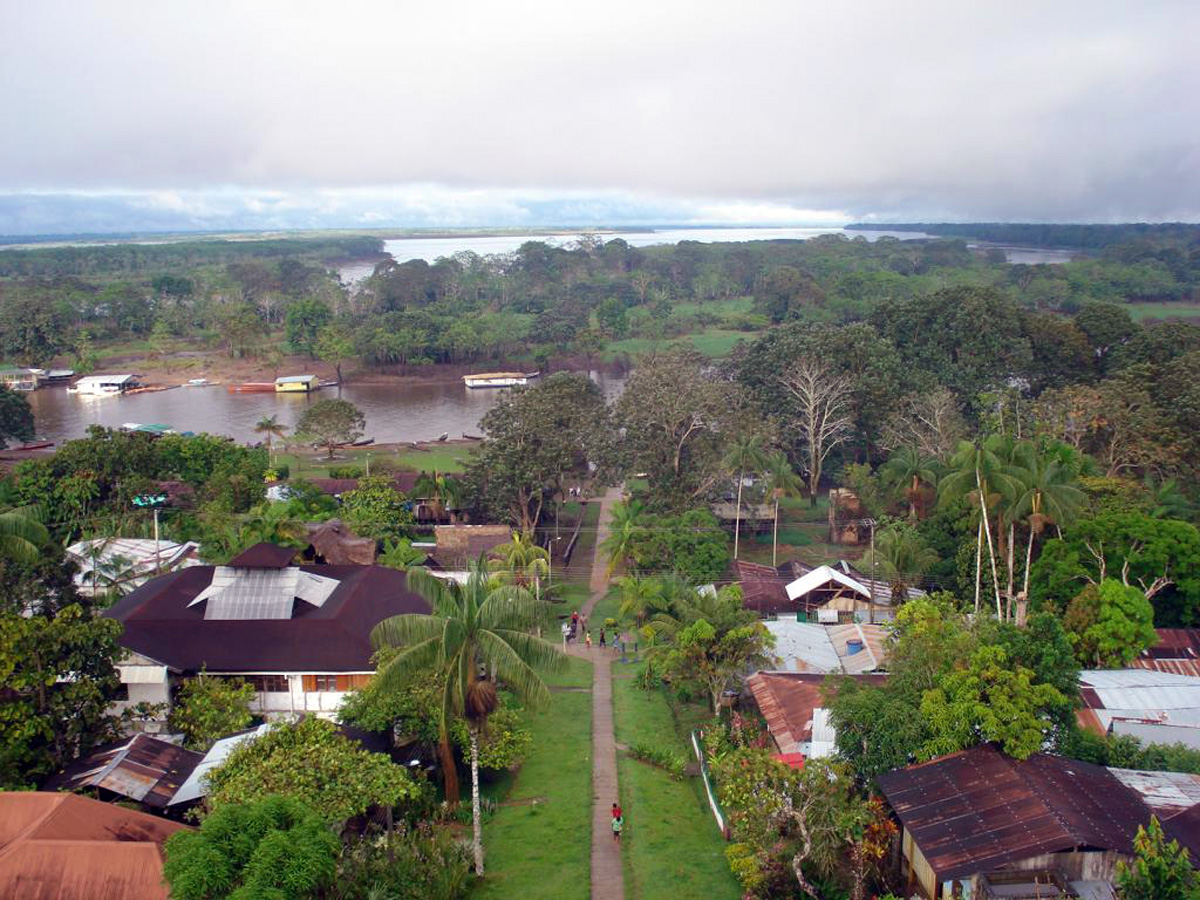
[[498, 379]]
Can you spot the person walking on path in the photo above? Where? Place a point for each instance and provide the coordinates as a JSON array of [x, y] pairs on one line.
[[588, 637], [602, 644], [616, 811], [618, 823]]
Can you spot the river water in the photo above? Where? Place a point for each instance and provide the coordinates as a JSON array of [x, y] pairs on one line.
[[407, 411], [430, 249]]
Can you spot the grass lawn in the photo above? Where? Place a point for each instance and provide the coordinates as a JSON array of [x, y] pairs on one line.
[[543, 849], [714, 342], [671, 844], [449, 458], [1140, 311]]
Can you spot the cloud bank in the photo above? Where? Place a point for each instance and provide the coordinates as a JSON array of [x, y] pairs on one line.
[[292, 113]]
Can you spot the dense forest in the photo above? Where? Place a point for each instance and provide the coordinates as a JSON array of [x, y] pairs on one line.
[[593, 297]]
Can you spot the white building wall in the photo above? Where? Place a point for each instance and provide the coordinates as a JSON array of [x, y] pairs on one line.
[[296, 701]]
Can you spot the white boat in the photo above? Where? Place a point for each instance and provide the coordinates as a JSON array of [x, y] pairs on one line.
[[498, 379], [197, 382], [102, 385]]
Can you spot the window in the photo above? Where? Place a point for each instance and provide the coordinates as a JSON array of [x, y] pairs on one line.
[[353, 682], [325, 683], [269, 684]]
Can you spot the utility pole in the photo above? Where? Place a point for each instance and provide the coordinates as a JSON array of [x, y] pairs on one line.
[[871, 589], [157, 548]]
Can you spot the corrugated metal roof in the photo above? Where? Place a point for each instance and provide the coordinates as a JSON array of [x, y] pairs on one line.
[[762, 588], [143, 768], [821, 577], [980, 810], [1166, 793], [1177, 652], [873, 639], [1142, 695], [1134, 678], [67, 847], [196, 785], [788, 703], [801, 647]]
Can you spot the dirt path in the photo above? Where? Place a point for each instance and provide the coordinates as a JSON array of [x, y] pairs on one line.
[[607, 879]]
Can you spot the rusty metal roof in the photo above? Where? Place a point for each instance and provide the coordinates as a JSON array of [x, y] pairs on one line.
[[1177, 652], [788, 702], [764, 588], [979, 810], [142, 768], [66, 847]]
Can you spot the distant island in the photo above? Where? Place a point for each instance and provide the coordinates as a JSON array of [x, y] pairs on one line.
[[1037, 234]]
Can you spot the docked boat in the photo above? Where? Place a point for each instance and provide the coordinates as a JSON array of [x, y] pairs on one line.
[[197, 382], [103, 385], [498, 379], [21, 379], [297, 384], [252, 387], [154, 429]]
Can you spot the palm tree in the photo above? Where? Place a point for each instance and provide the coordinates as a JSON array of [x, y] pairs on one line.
[[1170, 502], [473, 629], [627, 525], [642, 598], [902, 556], [22, 534], [782, 481], [272, 428], [522, 562], [1049, 496], [977, 474], [439, 488], [747, 453], [906, 470]]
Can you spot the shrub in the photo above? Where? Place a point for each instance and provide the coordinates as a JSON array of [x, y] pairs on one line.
[[672, 763]]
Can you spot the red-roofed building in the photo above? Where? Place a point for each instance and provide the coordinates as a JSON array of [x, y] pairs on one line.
[[66, 847]]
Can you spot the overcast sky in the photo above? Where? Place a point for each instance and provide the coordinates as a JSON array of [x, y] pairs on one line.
[[156, 115]]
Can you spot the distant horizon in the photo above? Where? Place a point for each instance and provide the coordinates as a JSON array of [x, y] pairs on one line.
[[402, 232]]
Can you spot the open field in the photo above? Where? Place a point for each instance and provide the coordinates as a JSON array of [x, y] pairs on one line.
[[439, 457], [714, 342], [539, 840], [1140, 311], [672, 847]]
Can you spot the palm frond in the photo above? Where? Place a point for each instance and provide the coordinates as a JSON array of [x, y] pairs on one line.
[[406, 630], [536, 652], [517, 675], [410, 664]]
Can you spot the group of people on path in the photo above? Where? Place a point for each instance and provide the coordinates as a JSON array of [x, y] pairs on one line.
[[618, 822], [572, 627]]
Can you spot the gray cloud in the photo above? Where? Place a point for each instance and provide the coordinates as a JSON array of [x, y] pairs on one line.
[[295, 112]]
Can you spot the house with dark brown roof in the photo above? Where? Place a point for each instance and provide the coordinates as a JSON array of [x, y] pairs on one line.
[[66, 847], [978, 820], [299, 633]]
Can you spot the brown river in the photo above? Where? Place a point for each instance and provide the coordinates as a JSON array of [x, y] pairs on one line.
[[412, 411]]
